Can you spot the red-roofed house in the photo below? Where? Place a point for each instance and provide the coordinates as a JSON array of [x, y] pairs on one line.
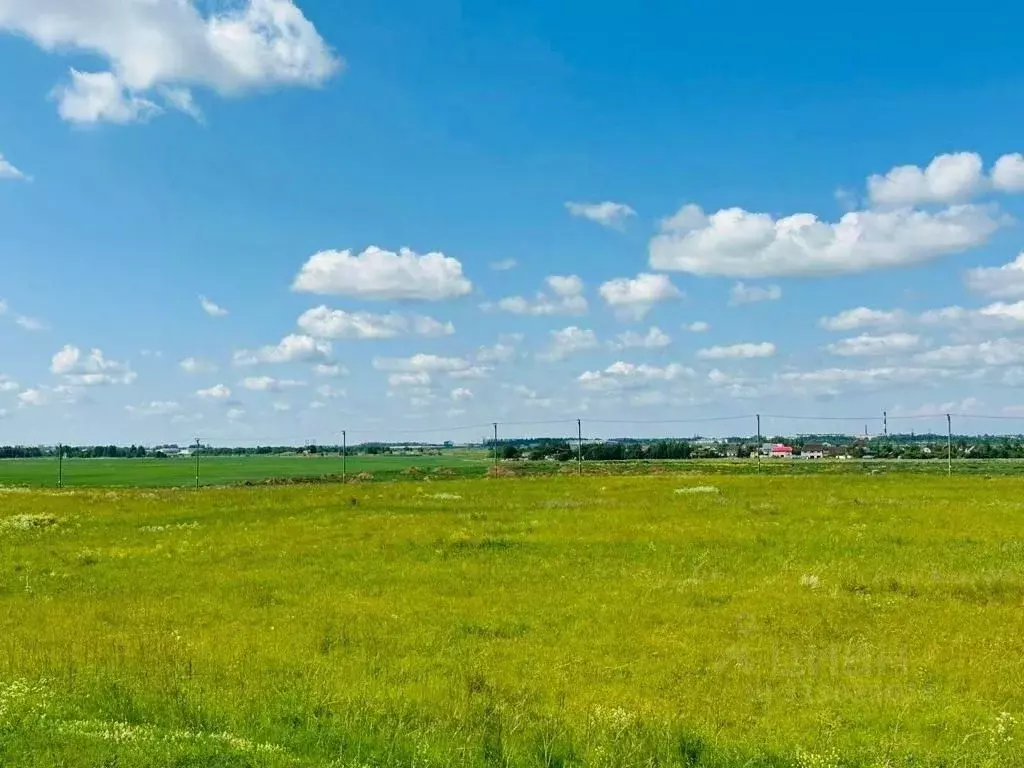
[[780, 451]]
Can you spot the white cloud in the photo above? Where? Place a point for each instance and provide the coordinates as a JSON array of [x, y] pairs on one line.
[[94, 97], [948, 178], [997, 352], [32, 397], [281, 407], [421, 362], [380, 274], [736, 243], [22, 321], [567, 299], [504, 265], [158, 48], [461, 394], [621, 375], [269, 384], [738, 351], [500, 352], [866, 345], [427, 326], [655, 338], [741, 293], [235, 414], [294, 348], [862, 317], [568, 341], [332, 371], [530, 397], [473, 372], [316, 405], [1008, 173], [833, 381], [998, 315], [607, 214], [93, 369], [327, 323], [1005, 282], [197, 365], [697, 327], [412, 379], [29, 323], [212, 309], [7, 384], [155, 408], [8, 171], [633, 298], [216, 392]]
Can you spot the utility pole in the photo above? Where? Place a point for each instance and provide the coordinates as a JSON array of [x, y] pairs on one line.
[[759, 443], [197, 463], [949, 445], [495, 445], [344, 457], [885, 423], [60, 465], [579, 437]]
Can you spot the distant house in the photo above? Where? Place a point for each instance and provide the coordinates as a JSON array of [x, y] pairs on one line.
[[780, 451], [813, 451]]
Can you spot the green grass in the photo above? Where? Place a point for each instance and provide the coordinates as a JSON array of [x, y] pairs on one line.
[[222, 470], [228, 470], [776, 621]]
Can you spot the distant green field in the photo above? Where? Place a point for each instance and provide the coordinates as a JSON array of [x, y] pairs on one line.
[[232, 470], [222, 470]]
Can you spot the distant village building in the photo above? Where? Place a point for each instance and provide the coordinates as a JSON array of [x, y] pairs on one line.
[[813, 451], [780, 451]]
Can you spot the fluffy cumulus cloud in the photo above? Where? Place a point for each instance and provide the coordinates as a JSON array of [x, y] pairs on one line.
[[269, 384], [835, 381], [325, 323], [744, 351], [9, 171], [995, 352], [211, 308], [632, 298], [948, 178], [741, 293], [655, 338], [156, 50], [563, 296], [7, 384], [622, 375], [736, 243], [1005, 282], [197, 365], [698, 326], [461, 394], [378, 274], [294, 348], [1008, 173], [862, 317], [92, 369], [568, 341], [996, 316], [867, 345], [216, 392], [607, 214], [330, 370]]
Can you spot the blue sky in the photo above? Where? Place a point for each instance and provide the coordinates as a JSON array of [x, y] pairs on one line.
[[828, 197]]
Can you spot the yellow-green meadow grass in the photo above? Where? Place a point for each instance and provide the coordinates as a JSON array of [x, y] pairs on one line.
[[610, 621]]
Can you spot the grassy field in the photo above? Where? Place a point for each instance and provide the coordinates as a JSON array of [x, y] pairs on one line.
[[222, 470], [229, 470], [677, 620]]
